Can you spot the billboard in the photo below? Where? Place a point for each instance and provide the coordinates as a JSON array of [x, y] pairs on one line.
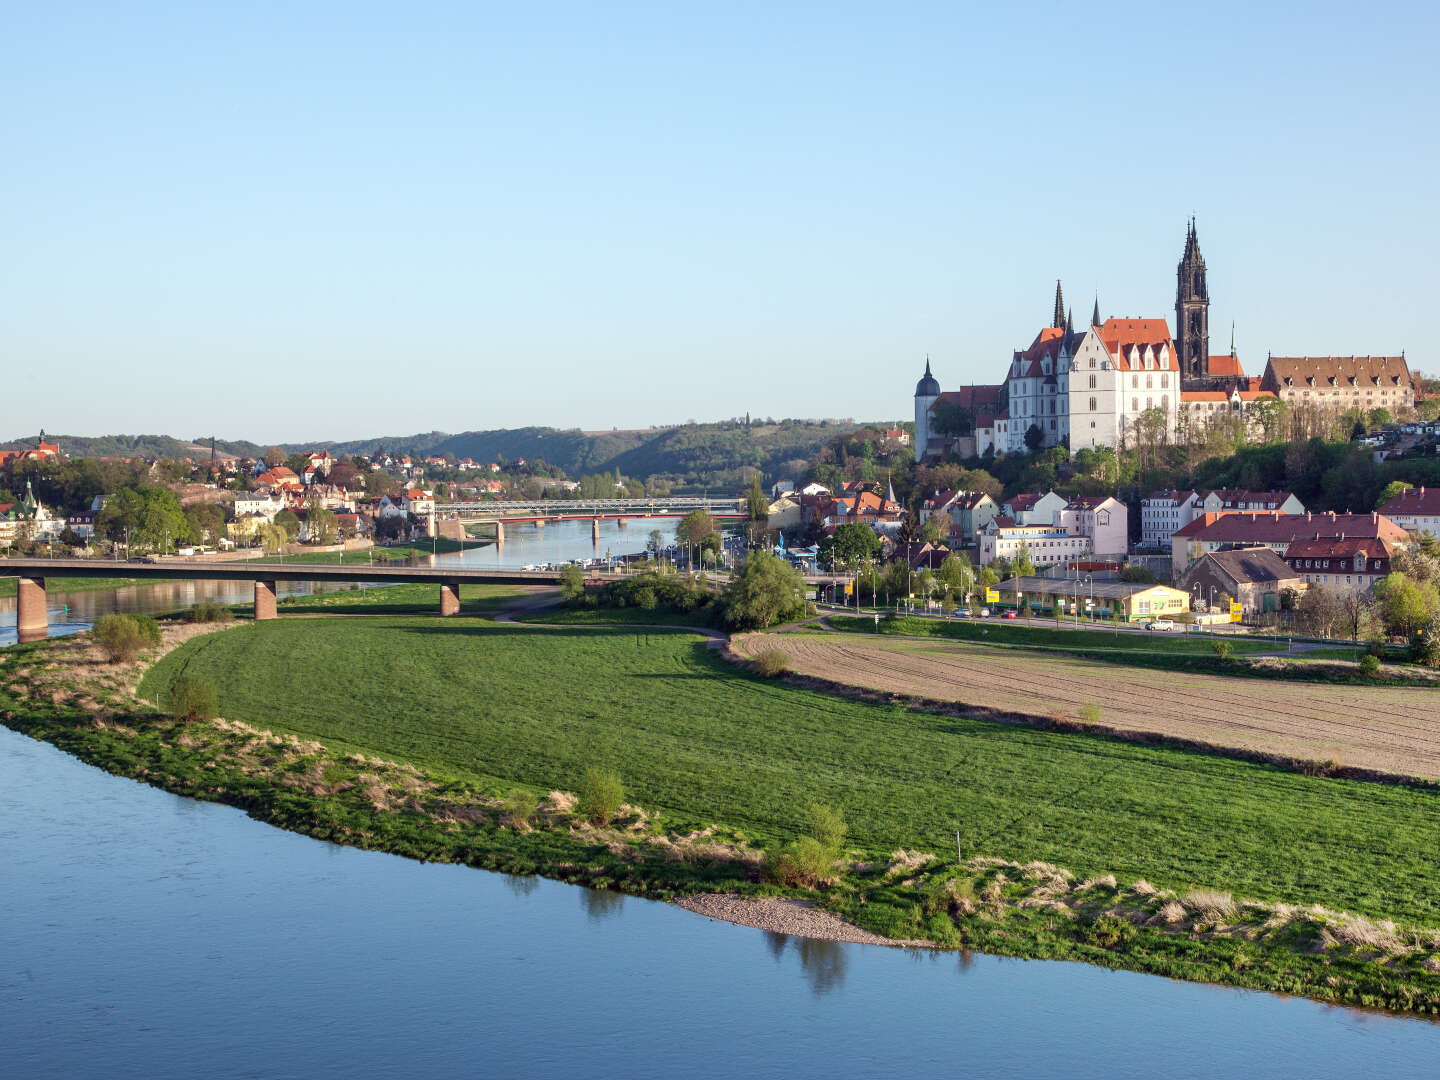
[[1234, 610]]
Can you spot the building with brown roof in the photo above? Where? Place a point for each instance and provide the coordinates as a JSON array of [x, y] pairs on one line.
[[1348, 563], [1216, 531], [1341, 382], [1417, 510], [1255, 576]]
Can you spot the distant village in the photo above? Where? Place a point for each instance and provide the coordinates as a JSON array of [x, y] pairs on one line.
[[251, 495]]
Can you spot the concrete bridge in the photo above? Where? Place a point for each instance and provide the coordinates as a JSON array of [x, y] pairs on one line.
[[539, 511], [32, 620]]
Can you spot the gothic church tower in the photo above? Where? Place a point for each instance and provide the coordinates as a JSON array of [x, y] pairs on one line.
[[1192, 312]]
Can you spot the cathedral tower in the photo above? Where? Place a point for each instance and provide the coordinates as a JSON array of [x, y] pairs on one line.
[[1192, 311]]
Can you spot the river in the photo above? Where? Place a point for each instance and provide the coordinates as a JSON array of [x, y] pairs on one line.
[[524, 545], [147, 935]]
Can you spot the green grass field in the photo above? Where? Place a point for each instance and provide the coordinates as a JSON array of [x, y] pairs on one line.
[[416, 598], [75, 585], [616, 617], [703, 742], [1004, 632]]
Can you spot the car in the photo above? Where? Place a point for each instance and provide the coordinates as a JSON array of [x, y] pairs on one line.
[[1010, 614], [141, 559], [961, 613], [1160, 624], [984, 613]]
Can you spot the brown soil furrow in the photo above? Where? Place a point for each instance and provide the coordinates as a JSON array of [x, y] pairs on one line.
[[1385, 729]]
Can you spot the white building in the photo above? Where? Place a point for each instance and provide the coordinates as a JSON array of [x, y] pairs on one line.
[[1046, 544]]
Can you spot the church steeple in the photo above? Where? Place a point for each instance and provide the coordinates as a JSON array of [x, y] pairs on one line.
[[1058, 318], [1095, 315], [1192, 311]]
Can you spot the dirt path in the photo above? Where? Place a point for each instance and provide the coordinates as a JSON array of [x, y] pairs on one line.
[[1391, 730]]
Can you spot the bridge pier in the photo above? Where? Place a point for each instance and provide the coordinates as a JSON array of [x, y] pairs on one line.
[[32, 623], [595, 530], [539, 523], [450, 598], [499, 532], [264, 600]]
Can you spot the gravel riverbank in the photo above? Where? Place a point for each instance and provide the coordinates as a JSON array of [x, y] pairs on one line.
[[797, 918]]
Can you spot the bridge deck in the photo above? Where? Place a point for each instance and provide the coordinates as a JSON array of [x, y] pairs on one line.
[[247, 570]]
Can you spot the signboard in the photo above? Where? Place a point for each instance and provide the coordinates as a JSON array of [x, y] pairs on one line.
[[992, 596], [849, 588], [1234, 610]]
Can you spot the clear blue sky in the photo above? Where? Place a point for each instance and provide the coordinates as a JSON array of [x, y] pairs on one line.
[[292, 221]]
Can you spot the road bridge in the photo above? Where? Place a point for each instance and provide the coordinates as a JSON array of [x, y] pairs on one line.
[[32, 620], [539, 511]]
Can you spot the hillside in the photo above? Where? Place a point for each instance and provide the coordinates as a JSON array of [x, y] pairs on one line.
[[697, 454], [143, 446]]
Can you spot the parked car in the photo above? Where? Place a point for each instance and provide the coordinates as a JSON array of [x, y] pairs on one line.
[[1010, 613], [1160, 624], [984, 612]]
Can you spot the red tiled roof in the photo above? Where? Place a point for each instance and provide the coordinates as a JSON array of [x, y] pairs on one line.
[[1415, 501], [1118, 335], [1226, 364], [1271, 526], [1336, 548]]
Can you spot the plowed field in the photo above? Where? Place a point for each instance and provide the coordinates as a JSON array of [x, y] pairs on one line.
[[1394, 730]]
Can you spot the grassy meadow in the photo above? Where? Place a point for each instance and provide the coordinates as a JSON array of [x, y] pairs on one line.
[[702, 742]]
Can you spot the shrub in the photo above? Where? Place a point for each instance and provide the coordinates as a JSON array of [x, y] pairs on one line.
[[518, 807], [123, 637], [601, 795], [572, 583], [828, 827], [208, 611], [1090, 713], [771, 663], [1223, 649], [1369, 666], [192, 697], [1109, 931]]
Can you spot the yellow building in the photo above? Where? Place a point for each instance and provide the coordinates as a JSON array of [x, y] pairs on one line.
[[1108, 600]]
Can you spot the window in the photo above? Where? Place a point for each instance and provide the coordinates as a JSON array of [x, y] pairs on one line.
[[1134, 404], [1149, 382], [1092, 381], [1134, 382], [1092, 401], [1092, 361], [1165, 401]]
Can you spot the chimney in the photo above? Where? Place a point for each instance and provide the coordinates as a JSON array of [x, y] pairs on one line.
[[1307, 515]]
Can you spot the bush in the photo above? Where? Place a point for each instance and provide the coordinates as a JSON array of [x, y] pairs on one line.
[[1223, 649], [828, 827], [1090, 713], [572, 583], [601, 795], [192, 697], [771, 663], [518, 807], [1369, 666], [123, 637], [208, 611]]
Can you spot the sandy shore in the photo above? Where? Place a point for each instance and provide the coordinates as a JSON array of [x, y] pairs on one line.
[[797, 918]]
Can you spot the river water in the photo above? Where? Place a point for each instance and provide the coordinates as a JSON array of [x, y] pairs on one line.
[[524, 545], [147, 935]]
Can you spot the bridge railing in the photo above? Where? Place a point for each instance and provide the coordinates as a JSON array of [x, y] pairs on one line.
[[548, 507]]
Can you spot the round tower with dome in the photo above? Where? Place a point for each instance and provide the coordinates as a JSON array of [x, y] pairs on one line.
[[926, 391]]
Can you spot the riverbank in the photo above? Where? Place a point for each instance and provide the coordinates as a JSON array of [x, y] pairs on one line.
[[486, 796]]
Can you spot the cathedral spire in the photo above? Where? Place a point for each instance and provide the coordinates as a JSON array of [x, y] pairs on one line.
[[1069, 323], [1095, 316], [1232, 338], [1058, 318]]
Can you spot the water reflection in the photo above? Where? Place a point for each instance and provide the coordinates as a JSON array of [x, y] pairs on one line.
[[601, 904], [521, 884], [823, 962]]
